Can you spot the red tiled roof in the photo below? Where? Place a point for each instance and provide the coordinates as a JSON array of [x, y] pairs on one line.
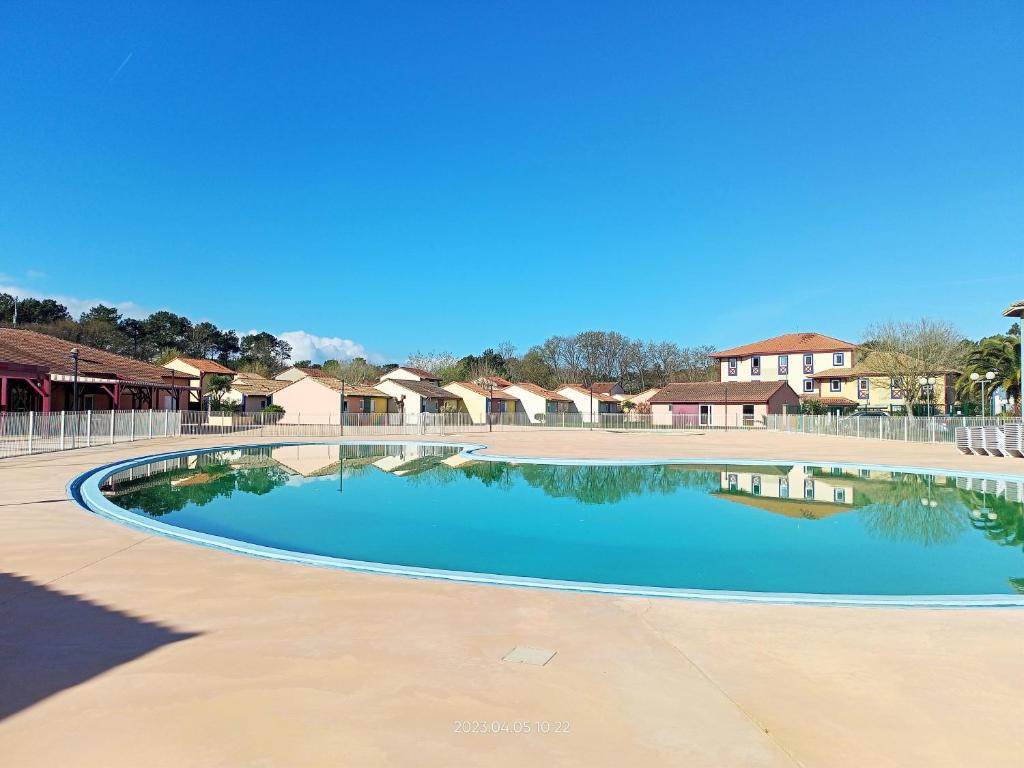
[[498, 381], [719, 392], [602, 397], [605, 387], [353, 390], [20, 345], [547, 394], [789, 342], [418, 372], [205, 366], [425, 389], [316, 373], [497, 394]]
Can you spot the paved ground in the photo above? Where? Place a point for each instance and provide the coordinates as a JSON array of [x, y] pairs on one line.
[[120, 649]]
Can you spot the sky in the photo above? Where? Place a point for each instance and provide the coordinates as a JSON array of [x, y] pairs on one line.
[[385, 178]]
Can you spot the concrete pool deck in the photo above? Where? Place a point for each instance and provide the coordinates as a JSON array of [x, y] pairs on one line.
[[121, 648]]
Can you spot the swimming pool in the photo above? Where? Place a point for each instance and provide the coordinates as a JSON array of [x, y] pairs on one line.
[[788, 531]]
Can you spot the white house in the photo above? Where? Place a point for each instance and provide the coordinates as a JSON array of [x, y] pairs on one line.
[[408, 373], [197, 370], [413, 397], [538, 403], [590, 404]]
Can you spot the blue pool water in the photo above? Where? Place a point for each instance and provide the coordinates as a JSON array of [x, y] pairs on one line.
[[786, 527]]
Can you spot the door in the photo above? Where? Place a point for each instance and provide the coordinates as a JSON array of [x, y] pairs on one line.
[[705, 415], [748, 415]]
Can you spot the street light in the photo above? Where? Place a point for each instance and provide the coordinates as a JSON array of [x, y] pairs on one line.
[[988, 377], [74, 380], [341, 417], [489, 405], [928, 383]]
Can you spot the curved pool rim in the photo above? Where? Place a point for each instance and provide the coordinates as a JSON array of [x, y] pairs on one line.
[[84, 489]]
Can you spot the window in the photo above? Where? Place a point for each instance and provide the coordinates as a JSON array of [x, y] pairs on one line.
[[755, 485], [755, 365], [838, 358], [808, 489], [863, 387], [808, 363], [367, 405], [808, 385], [733, 365], [783, 364], [783, 488], [835, 385], [734, 482], [839, 495]]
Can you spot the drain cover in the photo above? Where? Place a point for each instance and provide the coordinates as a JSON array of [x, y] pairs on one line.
[[523, 654]]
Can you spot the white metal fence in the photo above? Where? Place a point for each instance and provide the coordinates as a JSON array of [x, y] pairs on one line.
[[30, 433], [37, 432]]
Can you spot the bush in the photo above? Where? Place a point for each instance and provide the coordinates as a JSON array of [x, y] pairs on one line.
[[274, 409]]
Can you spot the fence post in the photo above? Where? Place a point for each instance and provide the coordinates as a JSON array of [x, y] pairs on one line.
[[88, 429], [906, 429], [113, 421], [31, 429], [131, 433], [167, 420], [151, 423], [62, 419]]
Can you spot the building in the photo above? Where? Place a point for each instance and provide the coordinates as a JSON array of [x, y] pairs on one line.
[[407, 373], [641, 399], [413, 397], [612, 388], [590, 404], [793, 491], [721, 403], [479, 402], [538, 403], [197, 369], [296, 372], [867, 386], [252, 393], [792, 357], [497, 381], [37, 373], [317, 400]]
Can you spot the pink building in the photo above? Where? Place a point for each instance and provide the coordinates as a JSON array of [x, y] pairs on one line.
[[721, 403]]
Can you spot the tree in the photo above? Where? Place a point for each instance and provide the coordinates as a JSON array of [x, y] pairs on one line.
[[905, 352], [100, 327], [434, 362], [1000, 354], [266, 350], [354, 371], [32, 311], [167, 330]]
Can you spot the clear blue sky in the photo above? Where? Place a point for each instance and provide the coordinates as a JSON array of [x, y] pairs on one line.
[[447, 176]]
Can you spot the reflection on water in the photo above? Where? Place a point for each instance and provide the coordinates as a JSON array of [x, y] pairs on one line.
[[933, 511]]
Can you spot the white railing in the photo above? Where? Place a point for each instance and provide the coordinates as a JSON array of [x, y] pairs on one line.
[[37, 432], [31, 433], [916, 429]]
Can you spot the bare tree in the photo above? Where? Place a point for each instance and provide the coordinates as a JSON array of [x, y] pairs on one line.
[[906, 352], [432, 361]]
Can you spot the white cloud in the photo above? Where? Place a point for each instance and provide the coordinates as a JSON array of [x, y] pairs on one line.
[[75, 305], [306, 346]]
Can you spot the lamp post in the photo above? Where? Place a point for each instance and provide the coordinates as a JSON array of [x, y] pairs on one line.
[[74, 379], [983, 380], [927, 384], [341, 416], [489, 405]]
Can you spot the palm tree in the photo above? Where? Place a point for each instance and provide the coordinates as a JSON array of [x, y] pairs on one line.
[[995, 353]]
